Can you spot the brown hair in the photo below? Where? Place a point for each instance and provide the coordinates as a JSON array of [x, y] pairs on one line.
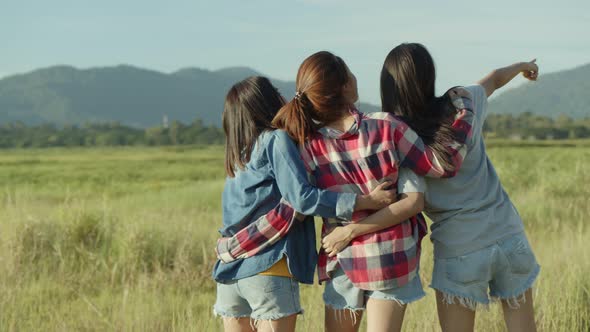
[[319, 99], [407, 90], [250, 106]]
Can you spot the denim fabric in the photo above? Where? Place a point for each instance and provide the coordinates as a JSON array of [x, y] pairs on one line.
[[276, 170], [258, 297], [507, 269], [340, 293]]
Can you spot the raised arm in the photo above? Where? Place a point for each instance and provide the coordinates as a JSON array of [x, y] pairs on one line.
[[499, 77]]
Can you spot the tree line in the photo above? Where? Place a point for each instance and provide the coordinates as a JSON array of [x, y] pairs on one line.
[[20, 135], [530, 126]]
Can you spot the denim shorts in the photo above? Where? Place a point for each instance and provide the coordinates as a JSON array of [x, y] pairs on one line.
[[258, 297], [340, 293], [507, 269]]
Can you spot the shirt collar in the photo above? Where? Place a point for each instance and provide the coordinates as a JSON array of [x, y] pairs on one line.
[[353, 130]]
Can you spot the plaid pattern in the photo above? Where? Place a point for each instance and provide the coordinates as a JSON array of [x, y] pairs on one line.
[[371, 151], [260, 234]]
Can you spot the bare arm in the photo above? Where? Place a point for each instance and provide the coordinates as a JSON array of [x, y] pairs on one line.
[[499, 77], [409, 205]]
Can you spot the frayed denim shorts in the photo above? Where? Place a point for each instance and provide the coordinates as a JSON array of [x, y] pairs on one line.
[[340, 293], [507, 269], [258, 297]]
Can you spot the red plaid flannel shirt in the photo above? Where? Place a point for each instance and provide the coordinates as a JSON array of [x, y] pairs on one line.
[[371, 151]]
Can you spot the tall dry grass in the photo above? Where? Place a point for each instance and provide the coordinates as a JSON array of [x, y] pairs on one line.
[[121, 239]]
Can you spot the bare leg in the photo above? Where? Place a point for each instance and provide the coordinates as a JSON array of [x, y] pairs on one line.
[[454, 317], [384, 315], [521, 318], [244, 324], [285, 324], [344, 320]]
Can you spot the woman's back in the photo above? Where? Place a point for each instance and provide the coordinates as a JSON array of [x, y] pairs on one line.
[[252, 193], [471, 210], [358, 160]]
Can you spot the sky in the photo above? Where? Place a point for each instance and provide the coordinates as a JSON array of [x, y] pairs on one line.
[[466, 38]]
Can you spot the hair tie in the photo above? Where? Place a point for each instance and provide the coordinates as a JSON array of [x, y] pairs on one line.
[[298, 95]]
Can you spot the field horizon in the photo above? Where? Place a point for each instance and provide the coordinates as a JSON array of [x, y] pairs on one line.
[[121, 239]]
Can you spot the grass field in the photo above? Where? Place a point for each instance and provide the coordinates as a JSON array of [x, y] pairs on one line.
[[121, 239]]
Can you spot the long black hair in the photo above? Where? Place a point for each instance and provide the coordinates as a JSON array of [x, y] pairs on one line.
[[407, 90], [250, 106]]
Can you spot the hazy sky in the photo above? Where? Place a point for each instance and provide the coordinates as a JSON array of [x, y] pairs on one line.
[[466, 38]]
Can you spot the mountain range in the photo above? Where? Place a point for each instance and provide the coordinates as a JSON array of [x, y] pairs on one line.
[[141, 97]]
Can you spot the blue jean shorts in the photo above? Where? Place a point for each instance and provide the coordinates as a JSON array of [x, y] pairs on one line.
[[507, 269], [340, 293], [258, 297]]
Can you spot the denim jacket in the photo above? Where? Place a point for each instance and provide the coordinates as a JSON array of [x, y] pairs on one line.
[[276, 171]]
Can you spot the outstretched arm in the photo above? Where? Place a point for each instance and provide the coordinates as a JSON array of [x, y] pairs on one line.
[[499, 77]]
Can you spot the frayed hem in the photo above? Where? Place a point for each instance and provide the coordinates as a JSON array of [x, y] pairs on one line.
[[234, 316], [278, 316], [517, 297], [400, 302], [513, 302], [226, 315], [255, 322], [461, 299], [346, 307], [340, 312]]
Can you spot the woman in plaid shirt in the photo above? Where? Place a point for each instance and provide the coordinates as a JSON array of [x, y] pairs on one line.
[[348, 151]]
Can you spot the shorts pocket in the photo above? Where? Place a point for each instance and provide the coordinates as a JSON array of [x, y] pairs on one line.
[[267, 284], [520, 257], [468, 269]]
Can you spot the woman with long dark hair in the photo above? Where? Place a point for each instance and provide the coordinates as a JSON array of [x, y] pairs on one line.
[[348, 151], [265, 171], [479, 240]]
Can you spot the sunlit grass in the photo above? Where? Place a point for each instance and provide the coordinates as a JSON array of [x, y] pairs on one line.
[[121, 239]]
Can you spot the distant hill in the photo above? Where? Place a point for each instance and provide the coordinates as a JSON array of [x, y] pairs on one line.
[[127, 94], [141, 97], [565, 92]]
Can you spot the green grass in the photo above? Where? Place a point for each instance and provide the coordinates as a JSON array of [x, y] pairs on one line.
[[121, 239]]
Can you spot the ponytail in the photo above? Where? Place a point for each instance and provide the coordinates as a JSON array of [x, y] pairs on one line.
[[296, 119], [320, 98]]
